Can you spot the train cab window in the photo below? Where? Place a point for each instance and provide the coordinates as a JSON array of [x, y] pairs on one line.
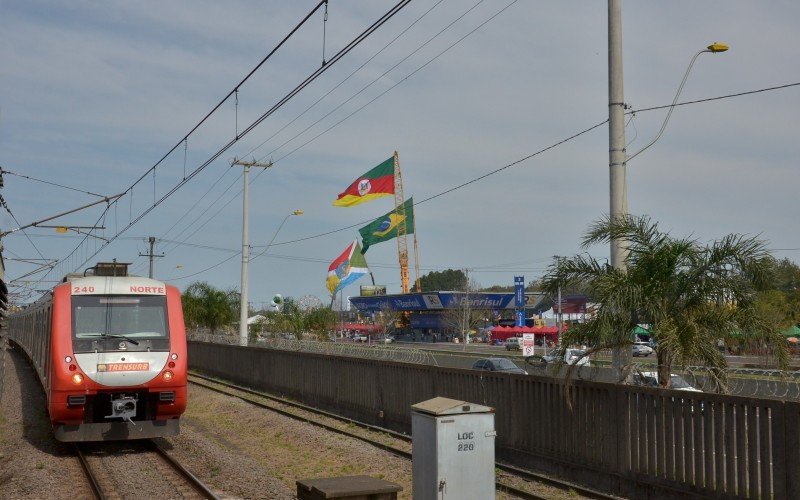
[[134, 317]]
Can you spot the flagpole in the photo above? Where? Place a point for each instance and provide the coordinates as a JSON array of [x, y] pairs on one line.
[[416, 256]]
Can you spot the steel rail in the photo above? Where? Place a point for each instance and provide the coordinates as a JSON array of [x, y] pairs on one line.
[[525, 474], [97, 491], [198, 485]]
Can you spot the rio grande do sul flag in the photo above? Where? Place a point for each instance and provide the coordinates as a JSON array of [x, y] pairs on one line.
[[346, 268], [376, 183]]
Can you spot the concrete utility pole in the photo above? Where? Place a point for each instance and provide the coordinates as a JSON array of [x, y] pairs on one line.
[[616, 150], [152, 241], [245, 247], [616, 128]]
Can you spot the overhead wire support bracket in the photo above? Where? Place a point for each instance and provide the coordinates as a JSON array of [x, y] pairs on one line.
[[324, 25], [105, 199]]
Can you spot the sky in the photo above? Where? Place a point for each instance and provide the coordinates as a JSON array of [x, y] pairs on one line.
[[93, 95]]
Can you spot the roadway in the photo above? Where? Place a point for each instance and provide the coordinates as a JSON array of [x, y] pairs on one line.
[[756, 384]]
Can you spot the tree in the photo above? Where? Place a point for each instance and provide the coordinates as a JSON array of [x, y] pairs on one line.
[[290, 319], [448, 279], [465, 315], [387, 319], [690, 294], [321, 321], [787, 276], [204, 305]]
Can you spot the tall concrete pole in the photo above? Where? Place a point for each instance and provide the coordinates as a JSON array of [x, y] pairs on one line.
[[616, 149], [152, 241], [616, 128], [151, 255], [243, 308]]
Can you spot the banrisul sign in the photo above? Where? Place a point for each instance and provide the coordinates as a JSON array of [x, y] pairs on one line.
[[434, 301]]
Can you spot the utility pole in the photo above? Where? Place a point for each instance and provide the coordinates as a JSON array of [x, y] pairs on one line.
[[558, 315], [616, 152], [151, 255], [245, 246]]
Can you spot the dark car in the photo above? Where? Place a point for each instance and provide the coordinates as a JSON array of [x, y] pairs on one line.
[[498, 365]]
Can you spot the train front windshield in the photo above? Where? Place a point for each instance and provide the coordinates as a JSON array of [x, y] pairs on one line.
[[134, 317]]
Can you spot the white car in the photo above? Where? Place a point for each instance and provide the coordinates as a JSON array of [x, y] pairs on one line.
[[676, 381], [571, 357], [641, 349]]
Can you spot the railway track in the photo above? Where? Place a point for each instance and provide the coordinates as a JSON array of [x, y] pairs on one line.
[[106, 487], [301, 412]]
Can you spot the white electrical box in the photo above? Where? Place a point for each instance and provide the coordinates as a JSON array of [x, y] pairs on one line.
[[453, 450]]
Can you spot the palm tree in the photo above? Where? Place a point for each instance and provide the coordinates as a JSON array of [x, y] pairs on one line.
[[204, 305], [691, 294]]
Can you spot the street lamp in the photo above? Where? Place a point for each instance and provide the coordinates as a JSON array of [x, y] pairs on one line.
[[243, 301], [618, 196], [714, 48], [296, 212]]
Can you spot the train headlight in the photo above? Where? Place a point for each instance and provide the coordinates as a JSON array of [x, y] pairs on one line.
[[174, 356], [167, 375], [68, 359], [77, 378]]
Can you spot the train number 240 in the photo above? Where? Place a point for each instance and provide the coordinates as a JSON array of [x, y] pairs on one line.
[[82, 289]]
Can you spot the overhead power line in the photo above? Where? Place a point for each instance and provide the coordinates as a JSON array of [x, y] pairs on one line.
[[709, 99], [517, 162], [509, 165]]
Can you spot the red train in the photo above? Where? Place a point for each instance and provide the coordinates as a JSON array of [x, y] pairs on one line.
[[110, 352]]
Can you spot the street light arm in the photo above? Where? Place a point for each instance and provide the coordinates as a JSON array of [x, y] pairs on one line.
[[672, 107], [296, 212], [273, 237]]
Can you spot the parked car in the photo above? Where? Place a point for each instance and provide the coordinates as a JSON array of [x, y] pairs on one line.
[[571, 356], [388, 339], [503, 365], [641, 349], [512, 344], [676, 381]]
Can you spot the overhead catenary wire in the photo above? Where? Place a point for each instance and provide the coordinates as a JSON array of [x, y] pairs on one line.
[[184, 140], [5, 171], [233, 90], [350, 46], [342, 82], [395, 38], [338, 56], [461, 39]]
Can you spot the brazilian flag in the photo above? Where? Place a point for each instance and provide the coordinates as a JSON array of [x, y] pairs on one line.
[[385, 228]]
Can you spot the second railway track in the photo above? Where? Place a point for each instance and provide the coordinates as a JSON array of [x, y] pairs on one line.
[[343, 425]]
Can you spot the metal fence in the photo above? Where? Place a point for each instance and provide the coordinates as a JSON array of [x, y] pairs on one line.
[[632, 441], [356, 350]]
